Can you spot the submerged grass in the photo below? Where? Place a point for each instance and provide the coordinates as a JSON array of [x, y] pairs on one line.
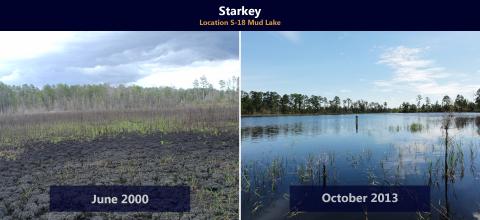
[[264, 182], [415, 127], [320, 169]]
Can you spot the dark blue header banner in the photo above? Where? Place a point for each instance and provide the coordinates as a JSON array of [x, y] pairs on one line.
[[360, 198], [239, 15], [119, 198]]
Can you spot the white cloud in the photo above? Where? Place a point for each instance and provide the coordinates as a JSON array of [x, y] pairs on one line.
[[116, 57], [11, 77], [26, 45], [409, 66], [434, 88], [415, 73], [183, 76], [292, 36]]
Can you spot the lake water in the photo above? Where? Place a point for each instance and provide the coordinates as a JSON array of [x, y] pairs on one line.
[[381, 149]]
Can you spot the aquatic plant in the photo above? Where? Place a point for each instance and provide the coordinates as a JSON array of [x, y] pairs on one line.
[[415, 127]]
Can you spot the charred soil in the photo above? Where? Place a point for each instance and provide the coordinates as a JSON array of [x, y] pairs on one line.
[[204, 161]]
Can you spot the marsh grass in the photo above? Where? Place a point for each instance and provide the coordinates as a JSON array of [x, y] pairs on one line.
[[20, 129], [258, 176], [264, 182], [275, 172], [415, 127]]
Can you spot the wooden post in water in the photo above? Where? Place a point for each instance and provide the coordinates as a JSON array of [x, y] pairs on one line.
[[446, 125], [356, 123], [324, 175], [447, 172]]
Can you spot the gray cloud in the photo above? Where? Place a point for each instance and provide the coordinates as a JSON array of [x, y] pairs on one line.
[[119, 57]]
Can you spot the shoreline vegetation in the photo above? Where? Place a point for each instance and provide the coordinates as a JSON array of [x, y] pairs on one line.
[[62, 112], [258, 104]]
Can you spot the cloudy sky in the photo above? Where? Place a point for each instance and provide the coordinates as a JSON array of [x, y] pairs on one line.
[[141, 58], [375, 66]]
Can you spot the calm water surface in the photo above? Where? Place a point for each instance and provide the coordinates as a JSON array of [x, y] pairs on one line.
[[382, 149]]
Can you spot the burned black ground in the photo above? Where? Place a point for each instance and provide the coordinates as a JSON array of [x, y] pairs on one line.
[[206, 162]]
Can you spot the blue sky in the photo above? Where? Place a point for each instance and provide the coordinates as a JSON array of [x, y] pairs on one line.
[[375, 66]]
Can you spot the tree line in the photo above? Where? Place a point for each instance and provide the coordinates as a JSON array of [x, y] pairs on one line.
[[447, 104], [62, 97], [257, 102]]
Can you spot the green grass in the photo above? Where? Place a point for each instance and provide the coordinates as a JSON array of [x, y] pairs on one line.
[[18, 130], [416, 127]]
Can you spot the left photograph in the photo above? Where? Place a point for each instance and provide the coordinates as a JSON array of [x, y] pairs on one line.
[[119, 109]]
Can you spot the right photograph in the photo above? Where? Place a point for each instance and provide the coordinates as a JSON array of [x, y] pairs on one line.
[[360, 109]]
